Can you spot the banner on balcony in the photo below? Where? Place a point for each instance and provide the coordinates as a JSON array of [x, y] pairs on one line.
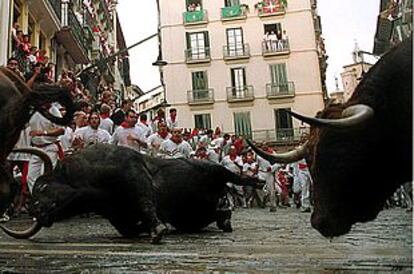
[[231, 11], [194, 16]]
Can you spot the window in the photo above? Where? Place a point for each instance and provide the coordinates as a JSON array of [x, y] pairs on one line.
[[193, 5], [238, 82], [235, 42], [284, 128], [200, 85], [202, 121], [279, 77], [242, 124], [198, 45], [231, 3], [268, 28]]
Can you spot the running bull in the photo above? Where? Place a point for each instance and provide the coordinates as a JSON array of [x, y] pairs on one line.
[[361, 151], [135, 192]]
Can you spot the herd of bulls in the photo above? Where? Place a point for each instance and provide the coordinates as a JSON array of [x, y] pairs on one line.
[[350, 149]]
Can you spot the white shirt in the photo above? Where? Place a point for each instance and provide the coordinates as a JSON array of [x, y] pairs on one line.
[[147, 129], [249, 169], [66, 139], [92, 136], [24, 141], [171, 124], [213, 156], [233, 166], [181, 150], [155, 140], [39, 122], [120, 137], [107, 124]]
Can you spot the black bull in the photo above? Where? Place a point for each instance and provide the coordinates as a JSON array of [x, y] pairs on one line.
[[17, 104], [136, 193], [361, 151]]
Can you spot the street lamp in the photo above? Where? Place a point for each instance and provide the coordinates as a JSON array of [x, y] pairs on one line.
[[160, 63]]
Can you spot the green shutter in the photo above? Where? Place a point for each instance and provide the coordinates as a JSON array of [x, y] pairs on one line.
[[242, 125]]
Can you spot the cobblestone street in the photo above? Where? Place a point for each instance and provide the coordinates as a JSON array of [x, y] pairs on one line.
[[262, 242]]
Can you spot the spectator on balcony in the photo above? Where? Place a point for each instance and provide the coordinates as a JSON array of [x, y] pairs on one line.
[[279, 37], [15, 38], [273, 40], [37, 75], [18, 52], [26, 45], [266, 41], [198, 7], [13, 65], [285, 39], [41, 57], [191, 7], [31, 57]]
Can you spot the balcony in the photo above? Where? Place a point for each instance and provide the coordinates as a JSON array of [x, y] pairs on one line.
[[281, 135], [275, 48], [200, 97], [197, 55], [72, 36], [280, 90], [240, 94], [237, 12], [191, 18], [234, 52], [271, 8]]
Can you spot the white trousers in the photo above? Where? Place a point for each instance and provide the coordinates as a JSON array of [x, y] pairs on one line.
[[36, 166]]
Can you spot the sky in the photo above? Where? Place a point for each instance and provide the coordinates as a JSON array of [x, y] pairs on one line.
[[343, 23]]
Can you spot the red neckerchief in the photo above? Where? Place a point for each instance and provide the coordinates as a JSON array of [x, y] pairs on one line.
[[126, 125], [104, 115], [163, 134]]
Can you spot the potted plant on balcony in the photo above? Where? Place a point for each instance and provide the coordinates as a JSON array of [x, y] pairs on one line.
[[244, 8]]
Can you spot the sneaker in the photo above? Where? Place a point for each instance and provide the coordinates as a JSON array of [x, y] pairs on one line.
[[4, 218]]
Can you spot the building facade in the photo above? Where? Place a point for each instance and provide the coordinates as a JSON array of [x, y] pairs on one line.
[[239, 64], [74, 34], [395, 24]]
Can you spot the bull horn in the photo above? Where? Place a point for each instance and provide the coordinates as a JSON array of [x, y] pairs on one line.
[[352, 116], [25, 234], [283, 158], [39, 153]]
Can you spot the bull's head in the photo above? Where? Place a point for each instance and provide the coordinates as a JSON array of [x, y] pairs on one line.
[[337, 150]]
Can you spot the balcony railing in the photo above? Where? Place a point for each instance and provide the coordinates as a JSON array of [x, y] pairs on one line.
[[195, 17], [57, 7], [200, 96], [271, 8], [77, 30], [240, 51], [237, 94], [275, 47], [281, 135], [233, 13], [197, 55], [280, 90]]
